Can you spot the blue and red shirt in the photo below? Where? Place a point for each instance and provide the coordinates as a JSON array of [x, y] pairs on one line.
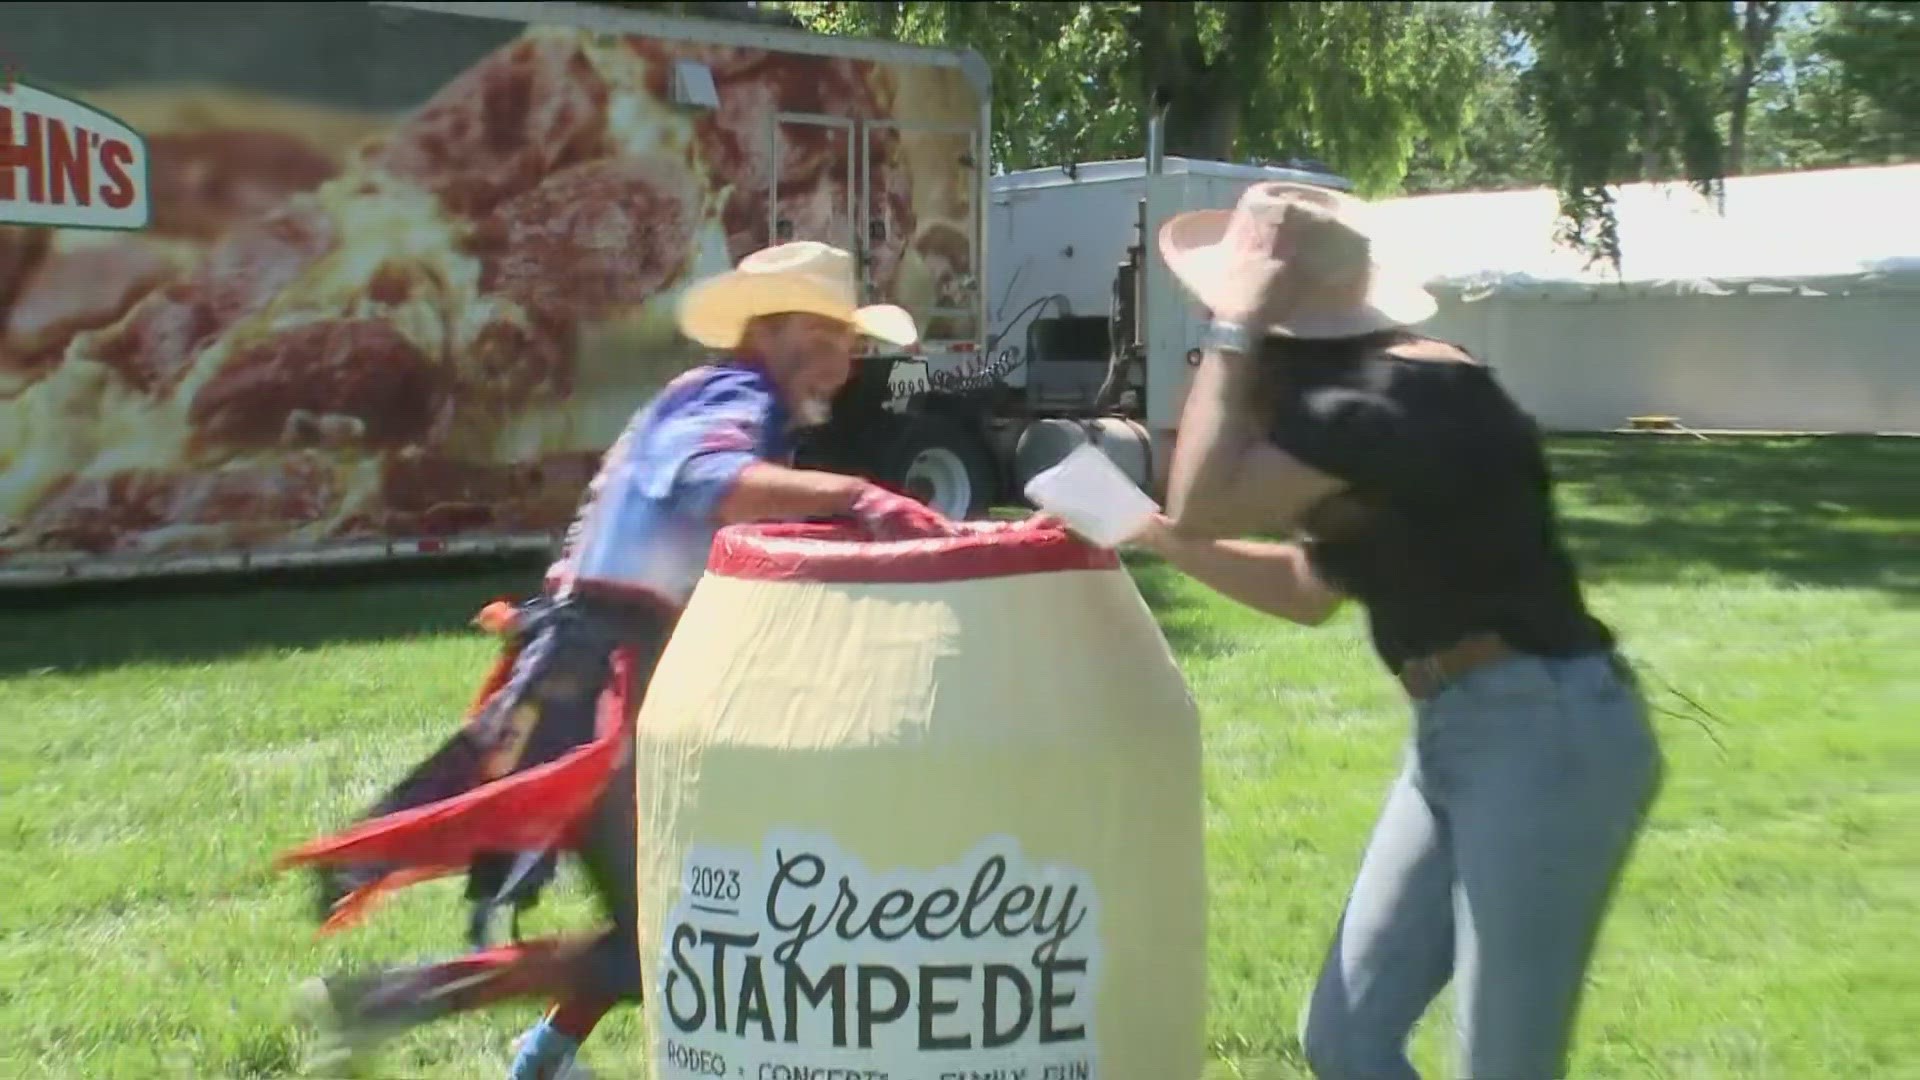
[[648, 520]]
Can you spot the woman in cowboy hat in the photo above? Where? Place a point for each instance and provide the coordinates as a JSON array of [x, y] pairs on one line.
[[1413, 484], [711, 448]]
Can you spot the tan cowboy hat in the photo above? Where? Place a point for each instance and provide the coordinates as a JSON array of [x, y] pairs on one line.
[[804, 276], [1327, 261]]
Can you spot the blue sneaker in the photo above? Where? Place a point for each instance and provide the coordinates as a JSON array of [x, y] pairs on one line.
[[545, 1053]]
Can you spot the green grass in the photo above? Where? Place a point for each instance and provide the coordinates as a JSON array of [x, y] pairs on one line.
[[160, 748]]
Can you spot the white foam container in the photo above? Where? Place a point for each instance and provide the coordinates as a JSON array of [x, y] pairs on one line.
[[1090, 493]]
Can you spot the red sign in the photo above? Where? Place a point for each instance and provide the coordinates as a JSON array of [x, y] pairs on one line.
[[66, 164]]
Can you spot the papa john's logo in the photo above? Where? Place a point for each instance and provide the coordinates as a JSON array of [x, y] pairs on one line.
[[66, 164]]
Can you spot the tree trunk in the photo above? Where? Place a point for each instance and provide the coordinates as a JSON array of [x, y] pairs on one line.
[[1759, 17], [1737, 123], [1650, 147], [1201, 125], [1203, 118]]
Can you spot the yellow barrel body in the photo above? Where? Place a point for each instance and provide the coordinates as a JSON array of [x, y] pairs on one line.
[[920, 810]]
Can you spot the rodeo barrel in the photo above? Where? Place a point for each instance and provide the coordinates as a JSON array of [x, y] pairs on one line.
[[920, 809]]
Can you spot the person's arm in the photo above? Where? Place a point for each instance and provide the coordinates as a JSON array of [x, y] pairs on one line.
[[706, 463], [1216, 431], [703, 457], [763, 491], [1227, 477], [1275, 578]]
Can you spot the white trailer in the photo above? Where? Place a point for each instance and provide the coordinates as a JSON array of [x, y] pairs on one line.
[[1089, 337], [1793, 306]]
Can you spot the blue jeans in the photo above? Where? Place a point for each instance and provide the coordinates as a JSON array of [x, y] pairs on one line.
[[1491, 866]]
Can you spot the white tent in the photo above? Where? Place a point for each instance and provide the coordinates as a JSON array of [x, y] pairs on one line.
[[1853, 231], [1797, 309]]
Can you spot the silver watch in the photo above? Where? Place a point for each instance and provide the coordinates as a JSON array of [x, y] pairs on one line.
[[1227, 337]]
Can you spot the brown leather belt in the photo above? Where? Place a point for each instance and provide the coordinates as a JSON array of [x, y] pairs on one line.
[[1425, 676]]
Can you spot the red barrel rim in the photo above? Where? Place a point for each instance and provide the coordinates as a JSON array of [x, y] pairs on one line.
[[834, 552]]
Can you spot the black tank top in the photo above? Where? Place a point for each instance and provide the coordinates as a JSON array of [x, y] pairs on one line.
[[1448, 526]]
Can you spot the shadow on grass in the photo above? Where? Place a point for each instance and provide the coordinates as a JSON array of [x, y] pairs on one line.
[[191, 620], [1191, 625], [1823, 512], [1833, 512]]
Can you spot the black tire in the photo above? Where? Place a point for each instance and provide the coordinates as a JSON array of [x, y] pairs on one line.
[[939, 461]]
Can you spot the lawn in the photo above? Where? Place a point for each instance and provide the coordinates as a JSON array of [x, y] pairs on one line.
[[162, 747]]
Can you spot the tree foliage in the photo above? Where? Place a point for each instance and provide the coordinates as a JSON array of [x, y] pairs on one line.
[[1759, 20], [1876, 48], [1576, 95], [1372, 88], [1615, 81], [1826, 99], [1359, 84], [1792, 100], [1502, 141]]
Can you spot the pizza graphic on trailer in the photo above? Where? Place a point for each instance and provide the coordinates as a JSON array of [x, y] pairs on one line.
[[65, 164], [342, 330]]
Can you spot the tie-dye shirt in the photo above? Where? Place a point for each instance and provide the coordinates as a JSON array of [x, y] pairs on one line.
[[647, 522]]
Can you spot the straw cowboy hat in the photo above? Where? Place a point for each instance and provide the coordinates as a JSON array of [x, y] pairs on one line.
[[1326, 257], [804, 276]]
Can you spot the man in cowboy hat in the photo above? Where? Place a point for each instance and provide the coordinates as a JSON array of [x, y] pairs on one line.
[[1416, 486], [708, 450]]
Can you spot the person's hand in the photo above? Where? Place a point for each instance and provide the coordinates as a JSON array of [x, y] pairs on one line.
[[1155, 536], [1251, 291], [1278, 257], [499, 618], [889, 516], [1152, 536]]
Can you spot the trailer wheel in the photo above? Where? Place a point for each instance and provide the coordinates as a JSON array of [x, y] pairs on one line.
[[938, 461]]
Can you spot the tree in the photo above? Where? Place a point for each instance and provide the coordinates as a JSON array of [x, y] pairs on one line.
[[1758, 20], [1877, 46], [1501, 143], [1355, 83], [1612, 82], [1372, 88], [1814, 109], [1789, 101], [1436, 96]]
